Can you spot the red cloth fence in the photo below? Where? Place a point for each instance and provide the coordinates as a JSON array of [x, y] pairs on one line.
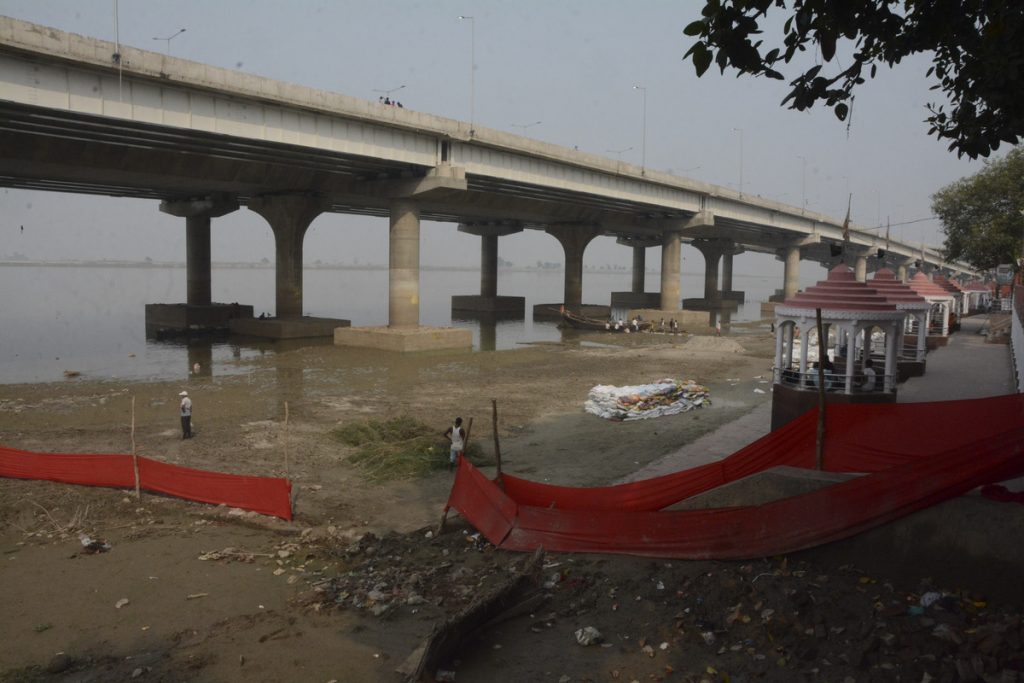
[[916, 455], [266, 495]]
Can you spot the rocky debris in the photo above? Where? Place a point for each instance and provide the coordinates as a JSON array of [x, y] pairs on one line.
[[765, 620]]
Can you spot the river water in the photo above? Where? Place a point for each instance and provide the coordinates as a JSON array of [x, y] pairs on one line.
[[91, 319]]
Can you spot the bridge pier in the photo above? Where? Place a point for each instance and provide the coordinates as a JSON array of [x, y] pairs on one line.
[[289, 216], [713, 250], [198, 314], [637, 298], [488, 303], [574, 239], [403, 331], [671, 249]]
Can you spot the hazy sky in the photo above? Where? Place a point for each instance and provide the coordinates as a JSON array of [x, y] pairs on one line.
[[571, 65]]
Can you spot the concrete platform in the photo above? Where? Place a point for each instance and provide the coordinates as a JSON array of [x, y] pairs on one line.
[[504, 306], [701, 304], [169, 320], [734, 295], [287, 328], [404, 339]]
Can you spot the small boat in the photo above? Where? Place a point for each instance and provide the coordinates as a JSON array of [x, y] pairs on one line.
[[581, 322]]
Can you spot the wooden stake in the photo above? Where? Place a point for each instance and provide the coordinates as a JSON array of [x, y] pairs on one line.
[[819, 453], [494, 424], [135, 457], [286, 440]]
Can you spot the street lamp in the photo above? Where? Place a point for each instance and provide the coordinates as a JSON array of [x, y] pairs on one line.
[[170, 38], [740, 131], [524, 126], [643, 153], [387, 93], [803, 182], [618, 151], [472, 68]]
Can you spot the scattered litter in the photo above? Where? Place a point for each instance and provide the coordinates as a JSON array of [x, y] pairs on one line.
[[644, 401], [758, 391], [121, 603], [194, 596], [930, 598], [91, 546], [444, 676], [588, 635]]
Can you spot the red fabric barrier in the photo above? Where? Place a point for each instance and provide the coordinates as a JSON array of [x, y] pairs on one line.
[[918, 455], [266, 495]]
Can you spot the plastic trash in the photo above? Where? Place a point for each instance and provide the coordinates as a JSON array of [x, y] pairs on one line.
[[588, 635]]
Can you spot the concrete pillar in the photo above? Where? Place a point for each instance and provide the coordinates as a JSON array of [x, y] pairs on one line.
[[670, 255], [289, 217], [197, 259], [860, 267], [727, 271], [639, 268], [574, 239], [404, 265], [489, 265], [712, 251], [197, 214], [791, 276], [901, 272]]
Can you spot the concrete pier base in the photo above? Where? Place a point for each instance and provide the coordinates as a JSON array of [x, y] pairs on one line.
[[506, 306], [636, 300], [703, 304], [404, 339], [734, 295], [167, 320], [905, 369], [287, 328], [768, 309]]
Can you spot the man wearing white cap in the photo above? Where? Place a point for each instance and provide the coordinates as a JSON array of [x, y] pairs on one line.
[[186, 415]]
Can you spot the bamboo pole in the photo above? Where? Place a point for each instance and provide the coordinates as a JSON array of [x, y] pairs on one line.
[[497, 446], [286, 440], [819, 452], [135, 456]]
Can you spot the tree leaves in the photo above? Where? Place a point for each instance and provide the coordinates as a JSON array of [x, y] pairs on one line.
[[977, 48]]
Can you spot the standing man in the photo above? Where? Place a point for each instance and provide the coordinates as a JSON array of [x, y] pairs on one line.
[[457, 435], [186, 415]]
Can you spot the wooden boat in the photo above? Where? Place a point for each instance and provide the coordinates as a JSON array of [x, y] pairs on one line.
[[580, 322]]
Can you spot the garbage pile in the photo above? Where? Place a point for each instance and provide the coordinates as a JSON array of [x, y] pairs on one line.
[[645, 401]]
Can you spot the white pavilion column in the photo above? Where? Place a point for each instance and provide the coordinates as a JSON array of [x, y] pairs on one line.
[[780, 331], [805, 332], [922, 333], [891, 338], [851, 354]]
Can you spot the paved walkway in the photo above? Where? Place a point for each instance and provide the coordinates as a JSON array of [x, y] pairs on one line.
[[967, 368]]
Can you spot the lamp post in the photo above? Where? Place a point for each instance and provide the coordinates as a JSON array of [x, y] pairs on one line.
[[524, 126], [170, 38], [803, 182], [387, 93], [643, 152], [472, 68], [740, 131]]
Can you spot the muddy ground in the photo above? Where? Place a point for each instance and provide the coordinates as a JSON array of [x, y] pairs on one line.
[[345, 592]]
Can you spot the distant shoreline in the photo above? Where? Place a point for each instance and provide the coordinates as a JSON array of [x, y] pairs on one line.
[[270, 266]]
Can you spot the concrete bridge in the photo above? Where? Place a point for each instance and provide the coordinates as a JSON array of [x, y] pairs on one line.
[[88, 116]]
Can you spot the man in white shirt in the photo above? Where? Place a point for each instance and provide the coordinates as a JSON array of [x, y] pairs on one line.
[[186, 415], [457, 435], [869, 376]]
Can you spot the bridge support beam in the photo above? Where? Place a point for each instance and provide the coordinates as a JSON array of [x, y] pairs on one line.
[[574, 239], [289, 216], [636, 297], [488, 304], [901, 269], [198, 313], [404, 265], [713, 250]]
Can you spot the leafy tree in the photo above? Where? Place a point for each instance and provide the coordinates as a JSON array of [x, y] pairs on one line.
[[977, 46], [981, 215]]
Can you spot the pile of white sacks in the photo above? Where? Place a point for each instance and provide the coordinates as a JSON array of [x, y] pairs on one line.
[[643, 401]]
